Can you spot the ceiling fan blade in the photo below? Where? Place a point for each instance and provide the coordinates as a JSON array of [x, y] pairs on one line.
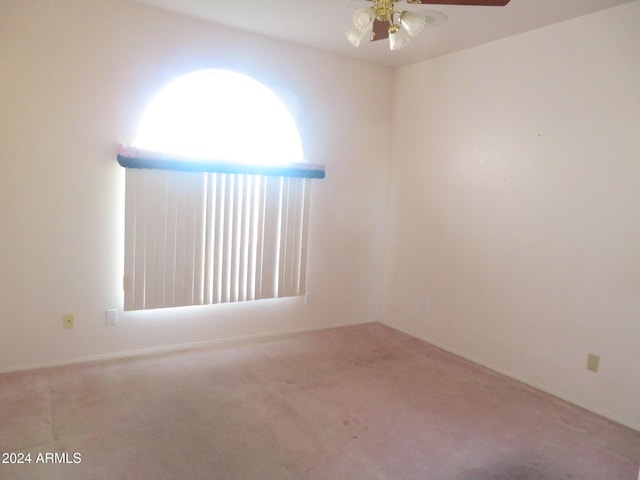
[[380, 30], [481, 3]]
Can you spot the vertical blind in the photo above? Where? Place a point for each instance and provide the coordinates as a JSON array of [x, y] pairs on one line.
[[194, 238]]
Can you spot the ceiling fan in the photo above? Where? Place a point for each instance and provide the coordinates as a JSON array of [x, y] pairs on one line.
[[399, 26]]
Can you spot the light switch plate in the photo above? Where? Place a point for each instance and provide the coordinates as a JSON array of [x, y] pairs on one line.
[[112, 316], [593, 362]]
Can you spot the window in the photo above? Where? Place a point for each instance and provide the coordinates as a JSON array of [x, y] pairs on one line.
[[217, 114], [217, 198]]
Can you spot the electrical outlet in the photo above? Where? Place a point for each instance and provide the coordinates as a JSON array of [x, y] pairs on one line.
[[308, 298], [593, 362], [426, 306], [68, 321], [112, 316]]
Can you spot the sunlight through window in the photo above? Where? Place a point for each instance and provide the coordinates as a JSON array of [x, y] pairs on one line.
[[223, 116], [231, 226]]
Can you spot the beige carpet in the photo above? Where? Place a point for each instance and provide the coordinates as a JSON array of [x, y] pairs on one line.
[[362, 402]]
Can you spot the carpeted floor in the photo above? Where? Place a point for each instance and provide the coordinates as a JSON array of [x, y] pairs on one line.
[[361, 402]]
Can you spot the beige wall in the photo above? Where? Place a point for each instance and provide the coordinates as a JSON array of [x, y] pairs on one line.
[[75, 78], [515, 207]]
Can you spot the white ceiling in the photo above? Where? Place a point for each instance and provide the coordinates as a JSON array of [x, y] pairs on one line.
[[322, 23]]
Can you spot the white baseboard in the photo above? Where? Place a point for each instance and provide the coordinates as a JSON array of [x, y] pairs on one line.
[[162, 349], [282, 333], [544, 388]]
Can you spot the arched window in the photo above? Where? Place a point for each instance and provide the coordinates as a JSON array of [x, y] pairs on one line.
[[217, 114], [217, 198]]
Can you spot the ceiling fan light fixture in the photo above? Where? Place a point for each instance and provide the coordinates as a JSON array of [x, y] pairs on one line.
[[383, 21], [398, 37], [363, 18], [355, 36], [412, 22]]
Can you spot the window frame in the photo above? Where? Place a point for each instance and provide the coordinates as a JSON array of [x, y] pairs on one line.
[[217, 197]]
